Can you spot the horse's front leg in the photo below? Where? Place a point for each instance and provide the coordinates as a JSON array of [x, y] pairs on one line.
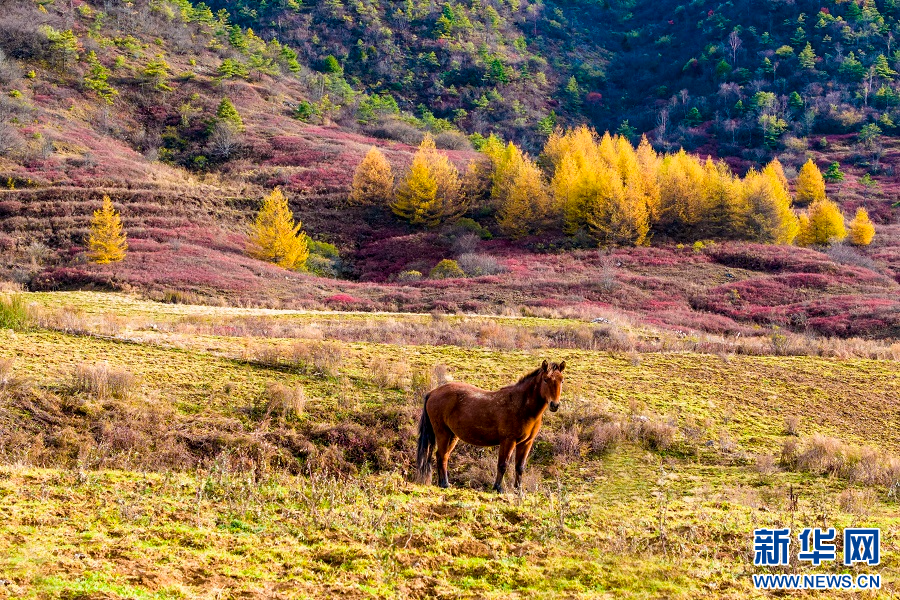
[[522, 452], [506, 450]]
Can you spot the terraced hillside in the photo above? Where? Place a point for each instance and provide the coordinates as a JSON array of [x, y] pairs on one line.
[[158, 450]]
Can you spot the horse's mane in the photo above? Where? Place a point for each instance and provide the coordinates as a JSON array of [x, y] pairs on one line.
[[531, 375]]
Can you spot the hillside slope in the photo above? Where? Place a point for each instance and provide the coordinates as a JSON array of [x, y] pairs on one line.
[[187, 185], [733, 76]]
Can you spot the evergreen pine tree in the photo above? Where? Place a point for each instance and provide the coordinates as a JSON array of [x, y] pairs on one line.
[[227, 113]]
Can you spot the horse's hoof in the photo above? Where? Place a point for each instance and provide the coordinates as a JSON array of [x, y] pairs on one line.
[[498, 489], [444, 484]]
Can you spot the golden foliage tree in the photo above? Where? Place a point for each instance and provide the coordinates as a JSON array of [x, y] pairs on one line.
[[567, 186], [476, 183], [648, 172], [373, 181], [804, 234], [508, 166], [826, 223], [725, 207], [861, 228], [810, 184], [602, 185], [275, 237], [681, 208], [107, 242], [768, 218], [431, 192], [518, 191], [416, 199], [785, 224], [622, 194], [522, 196]]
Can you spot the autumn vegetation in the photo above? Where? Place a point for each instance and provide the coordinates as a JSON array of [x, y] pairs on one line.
[[373, 181], [107, 242], [431, 191], [275, 237], [613, 191]]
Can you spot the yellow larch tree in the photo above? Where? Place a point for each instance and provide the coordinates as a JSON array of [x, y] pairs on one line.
[[275, 237], [602, 184], [431, 192], [804, 235], [616, 211], [787, 224], [861, 228], [568, 191], [648, 171], [373, 181], [452, 203], [523, 206], [579, 143], [630, 213], [810, 185], [107, 242], [680, 206], [417, 196], [768, 218], [776, 169], [724, 202], [826, 223]]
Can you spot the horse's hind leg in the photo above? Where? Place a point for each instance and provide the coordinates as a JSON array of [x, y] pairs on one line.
[[506, 450], [446, 441]]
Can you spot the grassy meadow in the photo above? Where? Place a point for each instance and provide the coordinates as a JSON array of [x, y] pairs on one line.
[[170, 451]]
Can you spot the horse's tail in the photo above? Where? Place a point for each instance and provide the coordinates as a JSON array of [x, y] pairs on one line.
[[426, 446]]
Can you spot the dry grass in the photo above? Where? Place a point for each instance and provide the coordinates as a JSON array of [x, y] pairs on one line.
[[830, 456], [790, 452], [606, 436], [389, 374], [420, 383], [618, 333], [287, 401], [765, 464], [325, 357], [103, 382], [653, 433], [14, 313], [6, 371], [566, 444], [321, 358], [792, 425], [441, 374], [859, 502]]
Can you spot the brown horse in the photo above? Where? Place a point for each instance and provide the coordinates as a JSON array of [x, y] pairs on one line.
[[510, 417]]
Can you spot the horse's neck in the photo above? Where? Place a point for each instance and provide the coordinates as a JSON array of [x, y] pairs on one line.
[[530, 396]]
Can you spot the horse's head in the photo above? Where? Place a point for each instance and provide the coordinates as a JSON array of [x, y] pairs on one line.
[[551, 378]]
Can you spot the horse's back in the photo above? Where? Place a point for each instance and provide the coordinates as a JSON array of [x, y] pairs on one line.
[[456, 393], [473, 414]]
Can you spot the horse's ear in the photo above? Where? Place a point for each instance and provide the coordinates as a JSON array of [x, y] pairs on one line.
[[561, 366], [544, 366]]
